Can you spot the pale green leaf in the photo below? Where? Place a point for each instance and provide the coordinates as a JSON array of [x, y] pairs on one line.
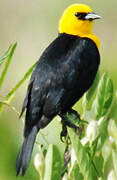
[[97, 107], [99, 162], [114, 157], [86, 104], [10, 96], [108, 96], [112, 129], [53, 164], [107, 166], [27, 74], [103, 98], [75, 172], [84, 161]]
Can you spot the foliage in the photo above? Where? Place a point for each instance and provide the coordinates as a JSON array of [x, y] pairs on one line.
[[93, 155], [8, 146], [7, 57]]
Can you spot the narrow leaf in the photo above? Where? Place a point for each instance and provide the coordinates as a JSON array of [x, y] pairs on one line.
[[53, 164], [108, 96], [84, 161], [89, 94], [10, 96], [103, 124], [99, 162], [107, 166], [97, 106], [10, 106], [7, 65], [75, 172], [27, 74], [7, 101], [114, 157], [106, 127], [112, 129], [5, 55]]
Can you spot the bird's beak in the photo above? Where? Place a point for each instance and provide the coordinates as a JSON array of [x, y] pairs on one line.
[[92, 16]]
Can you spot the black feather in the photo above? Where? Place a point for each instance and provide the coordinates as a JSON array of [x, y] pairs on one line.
[[64, 72], [24, 155]]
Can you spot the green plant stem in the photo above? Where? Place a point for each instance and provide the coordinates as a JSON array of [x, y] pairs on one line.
[[10, 96], [7, 65], [21, 81], [12, 107], [5, 55], [93, 163]]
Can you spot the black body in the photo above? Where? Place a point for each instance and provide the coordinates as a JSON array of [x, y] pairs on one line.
[[64, 72]]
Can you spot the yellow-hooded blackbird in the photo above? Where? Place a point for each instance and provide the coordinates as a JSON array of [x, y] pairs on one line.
[[64, 72]]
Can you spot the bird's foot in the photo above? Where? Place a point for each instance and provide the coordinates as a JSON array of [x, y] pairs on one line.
[[63, 132], [66, 122], [72, 111]]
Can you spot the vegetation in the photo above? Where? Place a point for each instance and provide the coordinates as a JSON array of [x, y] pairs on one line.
[[11, 94], [5, 61], [93, 155]]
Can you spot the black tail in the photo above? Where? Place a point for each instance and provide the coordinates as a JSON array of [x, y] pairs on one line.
[[24, 155]]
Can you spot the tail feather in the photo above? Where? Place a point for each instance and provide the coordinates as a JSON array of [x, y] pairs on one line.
[[25, 153]]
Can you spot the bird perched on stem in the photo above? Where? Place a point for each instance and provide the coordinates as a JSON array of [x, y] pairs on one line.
[[64, 72]]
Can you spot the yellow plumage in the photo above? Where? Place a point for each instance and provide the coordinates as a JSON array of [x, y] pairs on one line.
[[70, 24]]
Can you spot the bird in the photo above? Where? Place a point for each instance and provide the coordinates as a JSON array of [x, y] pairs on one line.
[[63, 73]]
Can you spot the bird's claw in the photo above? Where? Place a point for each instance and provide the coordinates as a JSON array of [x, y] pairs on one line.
[[63, 133], [72, 111], [62, 138]]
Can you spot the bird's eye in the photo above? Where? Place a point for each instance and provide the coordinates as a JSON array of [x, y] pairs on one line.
[[80, 16]]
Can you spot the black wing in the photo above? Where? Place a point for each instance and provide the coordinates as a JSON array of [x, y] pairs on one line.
[[64, 72]]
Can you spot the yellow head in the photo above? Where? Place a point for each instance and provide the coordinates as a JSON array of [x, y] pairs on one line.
[[77, 19]]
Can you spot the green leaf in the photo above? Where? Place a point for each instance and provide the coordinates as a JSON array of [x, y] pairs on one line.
[[7, 65], [39, 162], [84, 161], [99, 100], [53, 164], [103, 98], [107, 166], [27, 74], [86, 104], [114, 157], [108, 96], [10, 96], [103, 124], [113, 113], [106, 127], [112, 129], [65, 177], [112, 175], [94, 147], [5, 55], [7, 102], [99, 162], [75, 172]]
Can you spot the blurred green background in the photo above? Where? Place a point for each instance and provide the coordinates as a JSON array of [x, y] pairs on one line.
[[34, 24]]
